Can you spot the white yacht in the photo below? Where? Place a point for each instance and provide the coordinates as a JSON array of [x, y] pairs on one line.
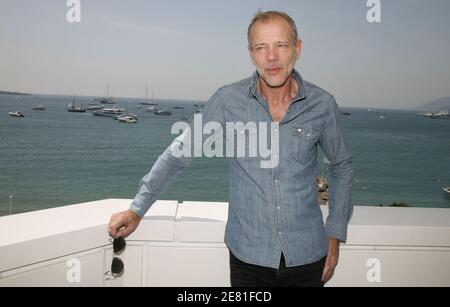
[[151, 109], [109, 112], [127, 119], [16, 114], [118, 117], [95, 107]]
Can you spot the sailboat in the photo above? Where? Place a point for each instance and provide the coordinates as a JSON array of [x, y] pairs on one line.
[[107, 99], [146, 102], [71, 107]]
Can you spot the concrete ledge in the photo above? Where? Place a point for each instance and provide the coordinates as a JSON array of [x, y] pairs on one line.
[[412, 244]]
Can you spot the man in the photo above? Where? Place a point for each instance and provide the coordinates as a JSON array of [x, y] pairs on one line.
[[275, 231]]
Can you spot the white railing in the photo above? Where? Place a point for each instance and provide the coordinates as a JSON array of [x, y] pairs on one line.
[[181, 244]]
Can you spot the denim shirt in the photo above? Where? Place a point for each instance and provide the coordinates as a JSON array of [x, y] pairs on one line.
[[273, 210]]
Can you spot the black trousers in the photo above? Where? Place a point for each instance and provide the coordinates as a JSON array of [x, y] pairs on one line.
[[248, 275]]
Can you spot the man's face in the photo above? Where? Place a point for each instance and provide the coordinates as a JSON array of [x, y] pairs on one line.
[[272, 51]]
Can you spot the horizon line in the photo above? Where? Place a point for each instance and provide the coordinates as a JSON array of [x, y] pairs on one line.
[[188, 99]]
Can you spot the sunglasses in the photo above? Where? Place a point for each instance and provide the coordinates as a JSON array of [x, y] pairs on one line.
[[117, 266]]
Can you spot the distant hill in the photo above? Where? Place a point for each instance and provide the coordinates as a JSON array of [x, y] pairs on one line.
[[12, 93], [436, 105]]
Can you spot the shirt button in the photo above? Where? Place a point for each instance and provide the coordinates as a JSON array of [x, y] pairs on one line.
[[275, 156], [278, 207], [280, 233], [275, 181]]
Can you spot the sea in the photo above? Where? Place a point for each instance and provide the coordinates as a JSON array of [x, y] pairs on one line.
[[54, 158]]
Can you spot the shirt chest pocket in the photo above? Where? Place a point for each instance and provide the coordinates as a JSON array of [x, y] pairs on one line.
[[304, 143]]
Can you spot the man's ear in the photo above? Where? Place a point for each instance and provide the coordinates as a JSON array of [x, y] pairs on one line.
[[298, 49]]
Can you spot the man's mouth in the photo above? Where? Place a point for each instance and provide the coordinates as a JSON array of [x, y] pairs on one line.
[[274, 71]]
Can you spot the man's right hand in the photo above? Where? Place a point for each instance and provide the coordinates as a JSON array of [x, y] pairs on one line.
[[122, 224]]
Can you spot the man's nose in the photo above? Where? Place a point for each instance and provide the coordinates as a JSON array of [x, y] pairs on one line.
[[271, 54]]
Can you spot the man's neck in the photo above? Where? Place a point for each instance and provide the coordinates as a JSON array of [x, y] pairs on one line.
[[279, 95]]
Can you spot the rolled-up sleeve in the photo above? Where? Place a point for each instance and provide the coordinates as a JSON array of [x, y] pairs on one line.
[[337, 151]]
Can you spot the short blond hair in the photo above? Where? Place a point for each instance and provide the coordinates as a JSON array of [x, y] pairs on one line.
[[261, 16]]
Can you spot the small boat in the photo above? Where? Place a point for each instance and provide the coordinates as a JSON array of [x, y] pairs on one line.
[[163, 112], [441, 114], [118, 117], [71, 107], [127, 119], [151, 109], [178, 107], [446, 189], [39, 107], [199, 105], [16, 114]]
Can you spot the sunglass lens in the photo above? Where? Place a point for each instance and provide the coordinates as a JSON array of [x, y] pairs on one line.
[[117, 266], [118, 244]]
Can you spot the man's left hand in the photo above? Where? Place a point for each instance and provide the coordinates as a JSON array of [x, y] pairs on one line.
[[332, 259]]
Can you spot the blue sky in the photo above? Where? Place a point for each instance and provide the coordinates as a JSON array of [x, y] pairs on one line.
[[188, 49]]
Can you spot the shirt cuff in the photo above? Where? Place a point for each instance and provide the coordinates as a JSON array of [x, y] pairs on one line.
[[140, 206], [336, 228]]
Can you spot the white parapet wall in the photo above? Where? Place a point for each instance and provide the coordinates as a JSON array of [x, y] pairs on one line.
[[181, 244]]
